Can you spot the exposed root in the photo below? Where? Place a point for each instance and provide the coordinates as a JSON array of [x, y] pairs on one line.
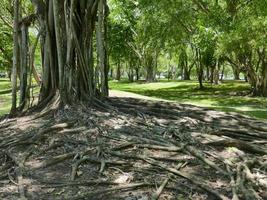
[[148, 143]]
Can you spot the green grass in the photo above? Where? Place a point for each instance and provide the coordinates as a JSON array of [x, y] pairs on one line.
[[5, 96], [228, 96]]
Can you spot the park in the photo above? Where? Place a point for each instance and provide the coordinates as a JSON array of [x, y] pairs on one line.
[[133, 99]]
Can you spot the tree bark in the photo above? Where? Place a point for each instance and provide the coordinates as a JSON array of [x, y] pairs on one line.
[[68, 50], [15, 56], [60, 38], [236, 73], [118, 71], [24, 65], [101, 46]]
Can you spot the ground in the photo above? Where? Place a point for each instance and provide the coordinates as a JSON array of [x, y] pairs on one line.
[[137, 147], [128, 148]]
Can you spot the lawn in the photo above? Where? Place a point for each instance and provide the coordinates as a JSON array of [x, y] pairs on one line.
[[5, 95], [229, 96]]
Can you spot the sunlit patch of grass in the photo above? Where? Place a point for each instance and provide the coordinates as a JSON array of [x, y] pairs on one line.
[[5, 96], [229, 96]]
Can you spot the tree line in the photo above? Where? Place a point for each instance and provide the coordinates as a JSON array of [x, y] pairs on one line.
[[204, 37], [83, 43]]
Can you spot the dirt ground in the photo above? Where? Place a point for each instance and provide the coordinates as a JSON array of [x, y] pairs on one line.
[[132, 149]]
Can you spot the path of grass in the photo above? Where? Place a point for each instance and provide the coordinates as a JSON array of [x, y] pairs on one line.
[[228, 96]]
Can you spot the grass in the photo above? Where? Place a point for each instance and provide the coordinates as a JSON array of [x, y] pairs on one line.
[[5, 96], [228, 96]]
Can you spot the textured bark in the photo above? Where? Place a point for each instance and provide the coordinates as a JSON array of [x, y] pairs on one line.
[[60, 33], [200, 71], [118, 72], [101, 46], [15, 56], [149, 68], [68, 50], [236, 72], [24, 65]]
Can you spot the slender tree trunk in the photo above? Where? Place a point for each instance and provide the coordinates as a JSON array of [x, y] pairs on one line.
[[208, 73], [15, 56], [200, 71], [216, 73], [118, 71], [24, 63], [149, 68], [212, 70], [137, 74], [101, 46], [222, 73]]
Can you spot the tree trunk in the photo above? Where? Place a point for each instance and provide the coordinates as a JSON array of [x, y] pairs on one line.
[[200, 71], [149, 68], [222, 73], [24, 65], [208, 73], [101, 46], [216, 74], [118, 72], [68, 50], [130, 72], [137, 73], [60, 42], [15, 57], [186, 73], [236, 72], [212, 75]]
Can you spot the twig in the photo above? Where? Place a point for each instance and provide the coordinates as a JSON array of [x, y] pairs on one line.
[[186, 176], [157, 194]]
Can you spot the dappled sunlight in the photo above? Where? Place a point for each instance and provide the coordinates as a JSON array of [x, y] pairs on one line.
[[133, 100], [222, 97]]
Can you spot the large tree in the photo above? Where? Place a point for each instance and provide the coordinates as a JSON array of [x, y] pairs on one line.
[[67, 31]]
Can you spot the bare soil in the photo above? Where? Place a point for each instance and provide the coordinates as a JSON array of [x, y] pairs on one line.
[[132, 149]]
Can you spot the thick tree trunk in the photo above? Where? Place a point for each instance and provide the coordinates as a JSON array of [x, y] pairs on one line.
[[236, 73], [259, 81], [68, 50], [149, 73], [15, 57], [186, 73], [60, 42]]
